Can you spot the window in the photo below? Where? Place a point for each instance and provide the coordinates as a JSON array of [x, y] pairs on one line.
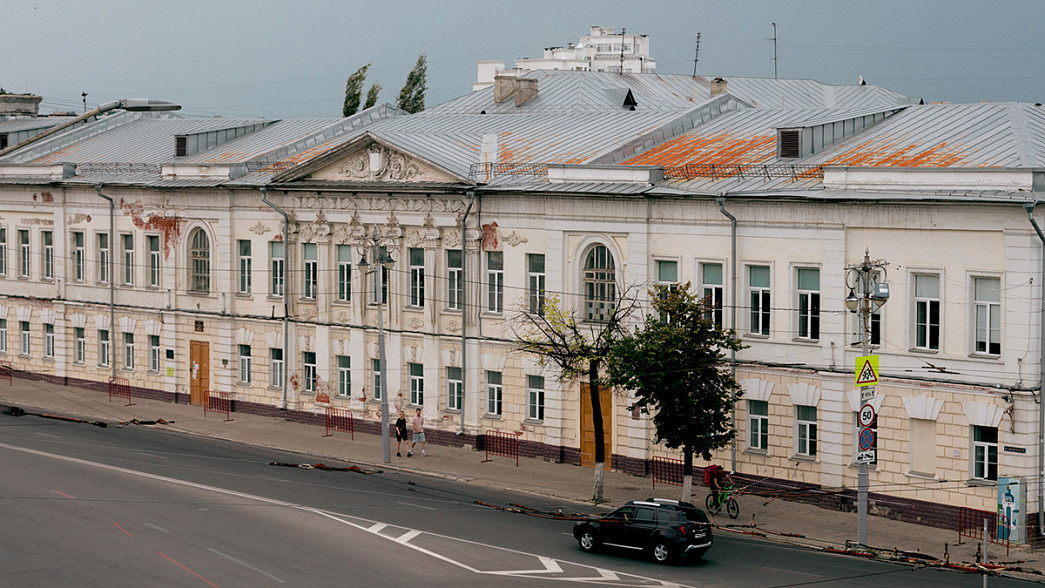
[[308, 359], [927, 312], [375, 366], [984, 453], [711, 280], [199, 262], [805, 419], [311, 269], [495, 281], [103, 258], [923, 434], [344, 375], [758, 285], [535, 268], [276, 367], [3, 251], [103, 348], [78, 256], [154, 353], [153, 244], [276, 268], [23, 249], [49, 341], [454, 388], [535, 397], [25, 337], [417, 276], [758, 417], [455, 284], [808, 303], [245, 266], [3, 335], [417, 383], [127, 242], [80, 345], [667, 278], [47, 237], [494, 392], [344, 273], [987, 293], [128, 351], [244, 364], [600, 290]]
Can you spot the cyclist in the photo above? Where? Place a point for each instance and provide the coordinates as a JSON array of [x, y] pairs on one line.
[[717, 478]]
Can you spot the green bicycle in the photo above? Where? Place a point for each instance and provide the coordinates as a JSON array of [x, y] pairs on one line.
[[725, 498]]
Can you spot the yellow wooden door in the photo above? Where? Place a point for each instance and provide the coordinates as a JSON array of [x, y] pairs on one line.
[[199, 372]]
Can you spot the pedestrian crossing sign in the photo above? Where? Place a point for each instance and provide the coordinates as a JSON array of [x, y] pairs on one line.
[[867, 370]]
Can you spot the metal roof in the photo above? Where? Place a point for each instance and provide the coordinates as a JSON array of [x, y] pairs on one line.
[[15, 125]]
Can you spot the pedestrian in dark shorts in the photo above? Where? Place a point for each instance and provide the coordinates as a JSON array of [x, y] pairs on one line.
[[401, 433]]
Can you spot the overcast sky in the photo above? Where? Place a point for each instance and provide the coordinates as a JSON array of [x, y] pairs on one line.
[[290, 58]]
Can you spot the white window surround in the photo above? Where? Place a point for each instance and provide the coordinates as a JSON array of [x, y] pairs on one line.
[[983, 414], [757, 389], [922, 407], [574, 279], [804, 394]]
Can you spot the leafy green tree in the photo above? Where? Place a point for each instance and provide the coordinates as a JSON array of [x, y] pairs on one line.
[[412, 96], [577, 349], [371, 96], [676, 366], [354, 91]]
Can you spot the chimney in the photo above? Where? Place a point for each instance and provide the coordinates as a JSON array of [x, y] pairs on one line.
[[718, 86], [19, 105], [504, 86], [527, 91]]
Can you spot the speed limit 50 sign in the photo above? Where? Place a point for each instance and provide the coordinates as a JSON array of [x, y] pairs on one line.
[[866, 415]]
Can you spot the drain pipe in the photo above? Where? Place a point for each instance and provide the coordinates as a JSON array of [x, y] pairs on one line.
[[112, 280], [732, 320], [464, 307], [1029, 206], [286, 287]]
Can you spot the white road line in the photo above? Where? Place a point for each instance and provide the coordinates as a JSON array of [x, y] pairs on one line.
[[153, 455], [377, 527], [247, 565], [47, 435], [362, 524], [406, 537], [416, 505], [157, 527]]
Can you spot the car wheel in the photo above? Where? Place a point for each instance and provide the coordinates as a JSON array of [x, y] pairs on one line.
[[587, 542], [661, 553]]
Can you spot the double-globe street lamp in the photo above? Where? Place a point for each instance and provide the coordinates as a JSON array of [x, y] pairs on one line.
[[383, 261], [874, 292]]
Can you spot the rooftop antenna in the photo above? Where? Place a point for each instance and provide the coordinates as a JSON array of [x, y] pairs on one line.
[[696, 56], [774, 52], [84, 96], [622, 29]]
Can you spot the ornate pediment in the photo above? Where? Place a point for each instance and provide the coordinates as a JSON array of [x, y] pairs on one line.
[[377, 163]]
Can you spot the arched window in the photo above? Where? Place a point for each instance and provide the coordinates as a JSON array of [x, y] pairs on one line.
[[199, 262], [600, 289]]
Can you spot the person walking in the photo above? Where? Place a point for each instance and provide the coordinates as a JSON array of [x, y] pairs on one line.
[[418, 425], [401, 433]]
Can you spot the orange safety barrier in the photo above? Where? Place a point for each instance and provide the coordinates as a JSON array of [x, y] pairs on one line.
[[218, 402], [502, 444], [6, 373], [971, 523], [667, 471], [340, 419], [120, 388]]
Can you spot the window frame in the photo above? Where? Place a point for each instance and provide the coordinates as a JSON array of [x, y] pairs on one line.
[[991, 311], [599, 281], [25, 339], [988, 471], [104, 348], [924, 308], [154, 353], [245, 364], [808, 305], [199, 262], [152, 245], [344, 376], [309, 372], [375, 367], [454, 388], [535, 395], [806, 431], [48, 340], [24, 252], [103, 247], [416, 372], [310, 258], [3, 251], [277, 269], [128, 258], [277, 367], [495, 282], [536, 282], [758, 425], [128, 350], [47, 241], [713, 294], [454, 279], [344, 273], [79, 345], [760, 297], [245, 265], [416, 259], [494, 393], [79, 257]]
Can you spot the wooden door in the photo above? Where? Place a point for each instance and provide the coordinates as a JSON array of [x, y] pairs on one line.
[[588, 425], [199, 372]]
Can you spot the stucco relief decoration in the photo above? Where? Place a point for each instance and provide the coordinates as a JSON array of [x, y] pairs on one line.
[[355, 228], [416, 323], [341, 234], [259, 229], [309, 314], [454, 326], [380, 163], [318, 230], [343, 317], [515, 239], [491, 237], [452, 239]]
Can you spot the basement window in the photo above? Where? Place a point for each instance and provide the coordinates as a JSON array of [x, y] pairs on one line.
[[788, 144]]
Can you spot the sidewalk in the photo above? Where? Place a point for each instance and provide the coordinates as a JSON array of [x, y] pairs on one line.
[[775, 520]]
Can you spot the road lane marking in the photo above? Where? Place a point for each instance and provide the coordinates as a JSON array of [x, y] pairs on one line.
[[47, 435], [351, 520], [377, 527], [151, 455], [157, 527], [416, 505], [406, 537], [247, 565], [180, 565], [122, 529]]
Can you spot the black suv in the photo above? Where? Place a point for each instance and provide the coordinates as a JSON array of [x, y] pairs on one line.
[[663, 528]]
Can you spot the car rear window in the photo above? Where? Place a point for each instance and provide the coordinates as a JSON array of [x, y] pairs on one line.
[[663, 517], [694, 515]]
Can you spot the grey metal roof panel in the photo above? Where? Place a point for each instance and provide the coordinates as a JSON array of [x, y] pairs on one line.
[[15, 125]]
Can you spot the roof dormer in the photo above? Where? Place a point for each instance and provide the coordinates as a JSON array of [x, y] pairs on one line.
[[193, 143], [815, 135]]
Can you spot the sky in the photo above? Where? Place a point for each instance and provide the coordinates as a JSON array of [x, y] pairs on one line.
[[290, 58]]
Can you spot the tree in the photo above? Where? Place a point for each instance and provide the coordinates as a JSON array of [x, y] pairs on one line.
[[577, 350], [371, 96], [675, 365], [412, 96], [354, 90]]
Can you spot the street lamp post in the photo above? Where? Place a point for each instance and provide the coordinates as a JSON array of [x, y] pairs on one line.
[[871, 298], [382, 261]]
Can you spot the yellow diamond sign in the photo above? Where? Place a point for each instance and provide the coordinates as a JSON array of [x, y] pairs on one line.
[[867, 370]]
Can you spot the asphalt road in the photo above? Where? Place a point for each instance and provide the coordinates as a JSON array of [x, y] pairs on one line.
[[87, 506]]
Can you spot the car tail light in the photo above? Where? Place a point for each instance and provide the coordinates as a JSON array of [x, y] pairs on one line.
[[682, 529]]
